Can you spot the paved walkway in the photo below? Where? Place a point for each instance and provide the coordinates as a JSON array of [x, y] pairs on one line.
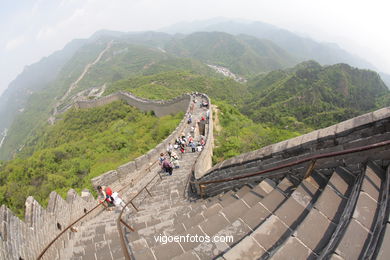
[[98, 238]]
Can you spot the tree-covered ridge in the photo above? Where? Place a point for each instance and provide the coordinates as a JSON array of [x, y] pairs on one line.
[[242, 54], [314, 95], [167, 85], [40, 102], [85, 144], [239, 134]]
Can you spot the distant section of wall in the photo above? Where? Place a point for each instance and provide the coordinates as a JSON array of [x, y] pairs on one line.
[[204, 161], [26, 240], [160, 107], [133, 171], [363, 130]]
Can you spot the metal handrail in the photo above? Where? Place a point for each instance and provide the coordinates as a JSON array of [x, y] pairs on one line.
[[121, 221], [67, 228], [80, 218], [202, 185]]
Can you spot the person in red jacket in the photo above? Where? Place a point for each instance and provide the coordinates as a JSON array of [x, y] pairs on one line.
[[106, 194]]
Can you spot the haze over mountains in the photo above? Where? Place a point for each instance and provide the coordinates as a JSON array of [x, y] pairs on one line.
[[245, 49]]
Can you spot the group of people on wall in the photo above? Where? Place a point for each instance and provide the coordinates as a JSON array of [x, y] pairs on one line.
[[170, 160]]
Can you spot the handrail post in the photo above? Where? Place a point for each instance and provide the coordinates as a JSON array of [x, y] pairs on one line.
[[310, 169], [127, 225], [132, 204], [148, 192], [201, 189]]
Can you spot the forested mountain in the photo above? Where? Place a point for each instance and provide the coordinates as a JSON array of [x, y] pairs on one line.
[[33, 78], [280, 99], [244, 55], [314, 95], [39, 102], [83, 145], [300, 47]]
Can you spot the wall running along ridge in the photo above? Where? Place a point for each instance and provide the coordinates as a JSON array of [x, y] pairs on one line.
[[363, 130], [204, 161], [26, 239]]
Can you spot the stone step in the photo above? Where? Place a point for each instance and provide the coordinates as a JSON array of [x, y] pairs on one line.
[[226, 220], [322, 217], [229, 204], [362, 225], [272, 225]]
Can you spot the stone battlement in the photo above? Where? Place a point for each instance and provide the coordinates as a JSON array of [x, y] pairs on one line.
[[25, 240], [363, 130]]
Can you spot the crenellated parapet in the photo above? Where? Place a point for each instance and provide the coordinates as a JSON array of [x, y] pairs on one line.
[[159, 107], [370, 128], [26, 239], [204, 161]]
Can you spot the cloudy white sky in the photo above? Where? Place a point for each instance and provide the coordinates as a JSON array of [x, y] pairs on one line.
[[32, 29]]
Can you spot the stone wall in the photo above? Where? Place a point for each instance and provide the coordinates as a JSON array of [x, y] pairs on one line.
[[160, 107], [204, 161], [363, 130], [132, 172], [26, 240]]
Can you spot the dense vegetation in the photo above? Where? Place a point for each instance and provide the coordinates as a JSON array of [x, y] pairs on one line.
[[269, 108], [85, 144], [315, 96], [244, 55], [239, 134], [35, 108], [167, 85]]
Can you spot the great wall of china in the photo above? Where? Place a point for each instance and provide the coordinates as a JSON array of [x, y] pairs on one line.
[[297, 184]]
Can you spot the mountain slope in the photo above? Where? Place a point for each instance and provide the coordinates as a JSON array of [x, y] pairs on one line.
[[314, 95], [33, 78], [302, 48], [85, 144], [242, 54], [170, 84]]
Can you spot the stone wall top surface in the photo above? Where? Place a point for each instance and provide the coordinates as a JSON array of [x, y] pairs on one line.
[[330, 132]]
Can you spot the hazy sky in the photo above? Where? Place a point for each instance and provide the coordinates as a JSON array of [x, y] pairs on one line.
[[32, 29]]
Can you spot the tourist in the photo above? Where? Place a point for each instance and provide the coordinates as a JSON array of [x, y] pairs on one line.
[[169, 149], [193, 146], [105, 194], [167, 167], [182, 147], [175, 160], [161, 159]]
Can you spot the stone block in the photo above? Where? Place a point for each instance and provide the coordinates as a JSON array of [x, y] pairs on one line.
[[323, 230], [344, 126], [294, 142], [294, 249], [268, 233], [279, 147], [353, 241], [363, 120], [310, 137], [126, 169], [331, 204], [365, 210], [327, 132], [381, 114], [248, 248]]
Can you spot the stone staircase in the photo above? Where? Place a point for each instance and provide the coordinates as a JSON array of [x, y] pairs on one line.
[[334, 209], [336, 212]]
